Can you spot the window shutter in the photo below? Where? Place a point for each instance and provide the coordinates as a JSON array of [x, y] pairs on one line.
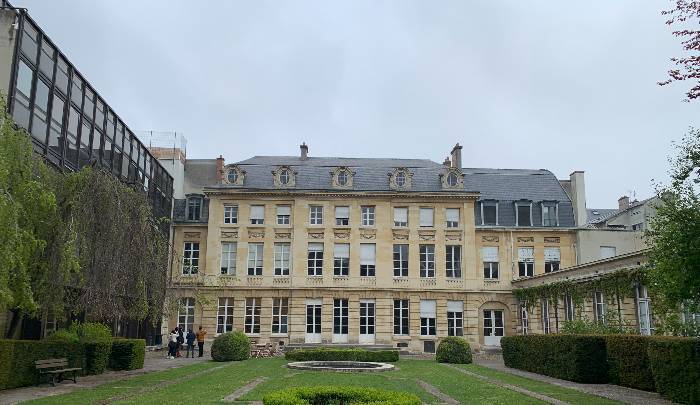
[[342, 212], [315, 247], [552, 254], [427, 309], [452, 214], [284, 210], [426, 217], [367, 253], [400, 214], [455, 306], [526, 253], [257, 212], [341, 250], [489, 253]]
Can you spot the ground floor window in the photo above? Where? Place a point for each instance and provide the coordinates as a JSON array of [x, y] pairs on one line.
[[340, 316], [524, 324], [401, 322], [185, 316], [455, 310], [599, 306], [224, 319], [569, 308], [545, 316], [252, 315], [280, 315], [427, 318], [644, 311]]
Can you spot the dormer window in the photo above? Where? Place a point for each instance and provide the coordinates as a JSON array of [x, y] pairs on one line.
[[400, 179], [284, 177], [234, 175], [550, 213], [194, 208], [342, 177], [523, 213], [452, 178], [489, 213]]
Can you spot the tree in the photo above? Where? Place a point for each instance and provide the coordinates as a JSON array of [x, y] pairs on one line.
[[674, 233], [686, 17]]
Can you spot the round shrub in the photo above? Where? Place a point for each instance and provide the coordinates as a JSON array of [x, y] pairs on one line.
[[339, 395], [453, 349], [231, 346]]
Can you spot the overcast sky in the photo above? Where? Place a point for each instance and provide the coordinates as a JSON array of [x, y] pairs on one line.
[[521, 84]]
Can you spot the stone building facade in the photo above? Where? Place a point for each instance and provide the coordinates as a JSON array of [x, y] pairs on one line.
[[398, 252]]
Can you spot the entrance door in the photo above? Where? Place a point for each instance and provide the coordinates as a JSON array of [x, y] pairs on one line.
[[313, 321], [493, 327], [340, 321], [367, 322]]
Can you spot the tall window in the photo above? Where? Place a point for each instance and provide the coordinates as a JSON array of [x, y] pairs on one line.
[[401, 216], [284, 214], [41, 106], [194, 208], [280, 315], [252, 315], [190, 258], [185, 315], [315, 259], [426, 217], [401, 317], [427, 261], [341, 259], [427, 318], [257, 214], [643, 310], [400, 260], [255, 259], [228, 258], [453, 261], [230, 214], [342, 216], [523, 214], [549, 214], [552, 258], [569, 308], [455, 310], [367, 215], [489, 256], [526, 261], [522, 312], [545, 315], [340, 317], [282, 259], [607, 252], [489, 213], [368, 253], [452, 218], [224, 319], [599, 306], [316, 215]]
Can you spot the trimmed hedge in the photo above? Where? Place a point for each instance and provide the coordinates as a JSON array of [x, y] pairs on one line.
[[17, 357], [675, 364], [127, 354], [323, 354], [96, 356], [580, 358], [230, 346], [339, 395], [628, 362], [453, 349]]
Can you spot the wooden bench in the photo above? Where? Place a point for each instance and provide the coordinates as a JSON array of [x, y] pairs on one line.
[[55, 370]]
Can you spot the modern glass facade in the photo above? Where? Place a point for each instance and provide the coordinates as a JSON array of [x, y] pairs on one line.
[[71, 125]]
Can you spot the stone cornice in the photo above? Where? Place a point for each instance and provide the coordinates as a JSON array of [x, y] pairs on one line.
[[464, 195]]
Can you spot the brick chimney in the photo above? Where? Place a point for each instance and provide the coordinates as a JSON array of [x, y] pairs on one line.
[[456, 156], [220, 168], [304, 151], [623, 202], [447, 162]]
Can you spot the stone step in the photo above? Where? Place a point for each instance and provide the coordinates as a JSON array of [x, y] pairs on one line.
[[292, 346]]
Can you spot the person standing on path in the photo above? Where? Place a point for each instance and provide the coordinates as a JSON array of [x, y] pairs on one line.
[[190, 343], [200, 340], [172, 342], [180, 339]]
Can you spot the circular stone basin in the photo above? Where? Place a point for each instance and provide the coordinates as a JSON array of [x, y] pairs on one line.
[[341, 366]]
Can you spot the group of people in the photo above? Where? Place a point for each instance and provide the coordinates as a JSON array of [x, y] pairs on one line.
[[178, 337]]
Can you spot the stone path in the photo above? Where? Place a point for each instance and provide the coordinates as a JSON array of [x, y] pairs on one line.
[[515, 388], [610, 391], [245, 389], [155, 361], [446, 399]]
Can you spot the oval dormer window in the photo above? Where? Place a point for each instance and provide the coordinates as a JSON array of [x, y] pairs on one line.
[[452, 179], [232, 176], [343, 178], [285, 177]]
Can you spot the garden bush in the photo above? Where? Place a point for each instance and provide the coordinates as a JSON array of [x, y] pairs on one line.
[[127, 354], [453, 349], [17, 357], [339, 395], [580, 358], [675, 364], [96, 356], [628, 362], [323, 354], [230, 346]]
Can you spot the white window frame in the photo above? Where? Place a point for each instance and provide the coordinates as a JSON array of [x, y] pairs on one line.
[[185, 313], [569, 308], [368, 260], [451, 223], [229, 252], [230, 213], [550, 205], [528, 260], [426, 217], [428, 314], [517, 214], [524, 321], [314, 259], [402, 313], [397, 218], [252, 316], [190, 206], [544, 314], [280, 316], [400, 271], [224, 315], [341, 260], [255, 219], [283, 258], [426, 254], [341, 218], [256, 253], [284, 214], [644, 318], [315, 214], [599, 307], [490, 262], [453, 267], [455, 318], [368, 215], [549, 259], [190, 263], [341, 316], [489, 204]]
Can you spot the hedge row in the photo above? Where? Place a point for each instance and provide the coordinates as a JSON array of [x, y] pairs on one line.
[[579, 358], [323, 354], [675, 364], [339, 395], [127, 354], [628, 362]]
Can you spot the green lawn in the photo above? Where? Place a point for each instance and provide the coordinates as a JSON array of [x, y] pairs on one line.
[[209, 382]]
